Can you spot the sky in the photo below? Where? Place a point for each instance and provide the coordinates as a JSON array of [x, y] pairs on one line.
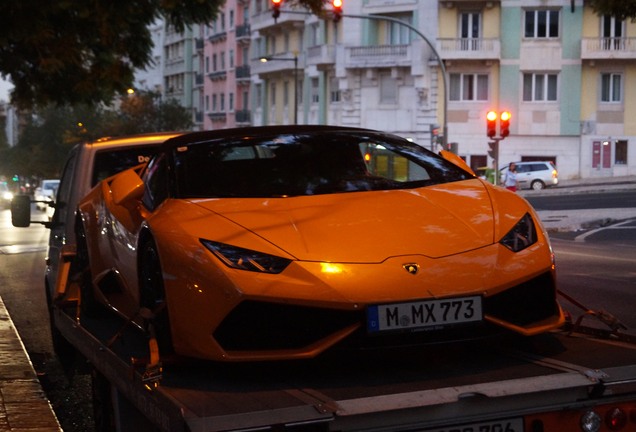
[[5, 86]]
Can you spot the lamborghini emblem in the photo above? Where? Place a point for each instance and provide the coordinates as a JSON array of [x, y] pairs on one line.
[[411, 268]]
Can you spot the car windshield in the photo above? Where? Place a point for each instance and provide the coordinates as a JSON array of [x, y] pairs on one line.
[[50, 184], [306, 164], [111, 161]]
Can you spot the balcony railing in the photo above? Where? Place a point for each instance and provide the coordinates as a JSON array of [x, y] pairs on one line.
[[217, 116], [378, 55], [242, 72], [218, 75], [218, 37], [469, 49], [243, 31], [321, 54], [243, 116], [608, 48]]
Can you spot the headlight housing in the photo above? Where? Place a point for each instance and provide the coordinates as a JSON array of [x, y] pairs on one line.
[[7, 196], [246, 259], [522, 235]]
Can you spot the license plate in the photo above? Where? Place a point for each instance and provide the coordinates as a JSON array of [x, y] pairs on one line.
[[510, 425], [424, 314]]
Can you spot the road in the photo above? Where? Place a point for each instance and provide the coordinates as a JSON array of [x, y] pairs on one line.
[[596, 270], [22, 255], [609, 199]]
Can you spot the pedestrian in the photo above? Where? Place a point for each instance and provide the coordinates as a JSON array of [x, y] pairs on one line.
[[510, 179]]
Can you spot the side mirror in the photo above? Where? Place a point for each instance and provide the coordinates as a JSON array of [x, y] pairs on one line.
[[126, 187], [453, 158], [21, 211]]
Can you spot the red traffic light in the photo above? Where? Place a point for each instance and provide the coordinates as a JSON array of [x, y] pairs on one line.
[[276, 8], [491, 124], [504, 124], [337, 10]]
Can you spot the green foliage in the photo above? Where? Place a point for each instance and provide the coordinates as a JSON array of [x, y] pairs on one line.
[[72, 52], [622, 9], [49, 134]]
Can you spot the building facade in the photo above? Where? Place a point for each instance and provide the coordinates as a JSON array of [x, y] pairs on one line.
[[413, 67]]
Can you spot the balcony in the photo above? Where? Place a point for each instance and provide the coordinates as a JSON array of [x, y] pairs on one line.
[[243, 116], [242, 73], [217, 116], [215, 38], [321, 55], [608, 48], [243, 33], [377, 56], [263, 20], [469, 49], [217, 75]]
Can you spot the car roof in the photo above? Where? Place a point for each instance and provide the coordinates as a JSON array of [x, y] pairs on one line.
[[139, 139], [254, 131]]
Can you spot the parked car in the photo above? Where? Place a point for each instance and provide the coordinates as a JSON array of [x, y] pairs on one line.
[[535, 175], [274, 243], [45, 192], [5, 195]]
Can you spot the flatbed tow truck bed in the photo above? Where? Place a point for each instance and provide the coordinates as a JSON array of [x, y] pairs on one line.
[[483, 387]]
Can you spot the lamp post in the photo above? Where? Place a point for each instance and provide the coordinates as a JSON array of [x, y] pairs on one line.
[[295, 60]]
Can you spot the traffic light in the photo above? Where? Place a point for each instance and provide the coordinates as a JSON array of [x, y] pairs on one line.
[[337, 10], [276, 8], [491, 124], [493, 149], [504, 124]]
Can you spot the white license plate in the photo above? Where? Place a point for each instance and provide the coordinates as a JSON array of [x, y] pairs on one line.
[[510, 425], [424, 314]]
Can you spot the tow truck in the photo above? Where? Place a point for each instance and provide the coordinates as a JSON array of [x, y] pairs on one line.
[[580, 378]]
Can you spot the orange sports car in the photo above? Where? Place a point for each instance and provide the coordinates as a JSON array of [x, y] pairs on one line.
[[272, 243]]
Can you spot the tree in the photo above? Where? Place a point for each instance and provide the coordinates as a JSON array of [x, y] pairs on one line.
[[71, 52], [622, 9], [52, 131]]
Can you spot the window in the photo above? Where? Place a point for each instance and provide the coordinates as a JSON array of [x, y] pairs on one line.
[[286, 93], [468, 87], [542, 24], [231, 59], [612, 31], [334, 91], [315, 92], [539, 87], [392, 33], [272, 94], [231, 102], [214, 102], [222, 102], [469, 30], [388, 89], [620, 153], [611, 87]]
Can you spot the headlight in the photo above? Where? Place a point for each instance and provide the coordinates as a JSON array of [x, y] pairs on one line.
[[8, 196], [521, 235], [245, 259]]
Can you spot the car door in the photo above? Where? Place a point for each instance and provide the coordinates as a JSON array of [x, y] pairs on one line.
[[524, 176]]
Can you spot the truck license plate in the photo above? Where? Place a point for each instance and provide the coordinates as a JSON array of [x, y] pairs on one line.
[[423, 314], [509, 425]]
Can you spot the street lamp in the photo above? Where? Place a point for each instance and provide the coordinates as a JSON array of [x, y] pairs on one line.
[[295, 60]]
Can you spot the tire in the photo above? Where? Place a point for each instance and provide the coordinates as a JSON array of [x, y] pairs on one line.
[[537, 185], [152, 294], [65, 352], [89, 307], [103, 410]]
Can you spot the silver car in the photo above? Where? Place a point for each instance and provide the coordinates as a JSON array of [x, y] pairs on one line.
[[535, 175]]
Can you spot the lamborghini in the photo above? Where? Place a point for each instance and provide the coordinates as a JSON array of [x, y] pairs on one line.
[[283, 242]]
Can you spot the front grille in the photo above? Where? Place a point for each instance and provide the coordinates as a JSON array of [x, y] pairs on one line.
[[270, 326], [526, 303]]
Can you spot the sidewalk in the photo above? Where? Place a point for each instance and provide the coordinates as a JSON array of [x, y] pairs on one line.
[[23, 404], [576, 220]]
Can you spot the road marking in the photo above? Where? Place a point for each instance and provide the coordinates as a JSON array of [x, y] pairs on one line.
[[582, 237]]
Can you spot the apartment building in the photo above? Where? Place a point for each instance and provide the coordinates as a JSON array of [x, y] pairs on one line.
[[411, 67]]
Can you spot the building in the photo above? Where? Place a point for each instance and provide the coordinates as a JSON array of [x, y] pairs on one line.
[[421, 67]]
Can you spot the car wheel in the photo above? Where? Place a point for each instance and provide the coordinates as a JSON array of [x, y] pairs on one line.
[[89, 307], [537, 185], [152, 294]]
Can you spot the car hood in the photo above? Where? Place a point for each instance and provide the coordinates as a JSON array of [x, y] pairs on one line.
[[434, 221]]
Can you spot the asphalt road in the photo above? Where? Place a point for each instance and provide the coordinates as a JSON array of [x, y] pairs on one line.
[[604, 200]]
